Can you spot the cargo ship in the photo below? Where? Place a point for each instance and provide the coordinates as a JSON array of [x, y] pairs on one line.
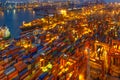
[[31, 25], [48, 11], [4, 33]]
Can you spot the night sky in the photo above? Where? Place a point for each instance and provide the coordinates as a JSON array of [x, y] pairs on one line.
[[60, 0], [112, 0]]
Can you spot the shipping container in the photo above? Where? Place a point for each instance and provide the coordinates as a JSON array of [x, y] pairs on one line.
[[13, 75], [58, 54], [55, 43], [2, 63], [10, 64], [59, 44], [1, 69], [29, 67], [37, 66], [48, 52], [71, 49], [54, 53], [33, 71], [36, 55], [47, 43], [40, 47], [20, 66], [4, 52], [44, 47], [9, 70], [19, 59], [27, 77], [21, 51], [29, 61], [33, 50], [51, 77], [4, 57], [25, 57], [47, 49], [2, 75], [41, 51], [11, 46], [32, 54], [4, 78], [24, 75], [73, 52], [13, 51], [42, 76], [9, 57], [54, 48], [16, 78], [21, 73]]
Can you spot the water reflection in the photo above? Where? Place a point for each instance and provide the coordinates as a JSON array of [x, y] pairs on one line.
[[1, 13], [14, 11], [7, 11], [33, 12], [24, 9], [18, 10], [13, 19]]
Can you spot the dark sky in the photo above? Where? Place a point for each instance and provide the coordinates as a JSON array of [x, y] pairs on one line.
[[60, 0], [112, 0]]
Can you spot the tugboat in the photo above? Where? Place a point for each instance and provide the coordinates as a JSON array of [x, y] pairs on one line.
[[4, 33]]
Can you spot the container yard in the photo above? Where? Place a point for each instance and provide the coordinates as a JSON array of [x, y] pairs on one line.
[[81, 44]]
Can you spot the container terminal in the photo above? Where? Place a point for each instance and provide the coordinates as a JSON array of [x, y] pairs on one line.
[[79, 44]]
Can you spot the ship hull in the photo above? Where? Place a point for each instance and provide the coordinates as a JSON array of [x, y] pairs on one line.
[[29, 28]]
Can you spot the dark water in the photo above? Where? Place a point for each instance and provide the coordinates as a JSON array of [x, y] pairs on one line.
[[14, 18]]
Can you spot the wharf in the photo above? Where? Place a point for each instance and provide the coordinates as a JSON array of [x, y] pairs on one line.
[[71, 46]]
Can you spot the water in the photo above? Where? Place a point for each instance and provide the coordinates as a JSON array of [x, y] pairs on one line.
[[14, 18]]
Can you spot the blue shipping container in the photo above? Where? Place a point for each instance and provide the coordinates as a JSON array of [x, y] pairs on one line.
[[9, 70], [42, 76], [23, 72]]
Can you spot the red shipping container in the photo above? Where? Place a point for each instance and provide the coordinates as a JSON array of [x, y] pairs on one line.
[[20, 66], [2, 62], [19, 59], [33, 50], [4, 78], [26, 74], [2, 75], [44, 47], [1, 68], [13, 75], [53, 49]]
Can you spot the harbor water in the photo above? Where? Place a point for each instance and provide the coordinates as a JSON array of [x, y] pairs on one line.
[[13, 18]]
